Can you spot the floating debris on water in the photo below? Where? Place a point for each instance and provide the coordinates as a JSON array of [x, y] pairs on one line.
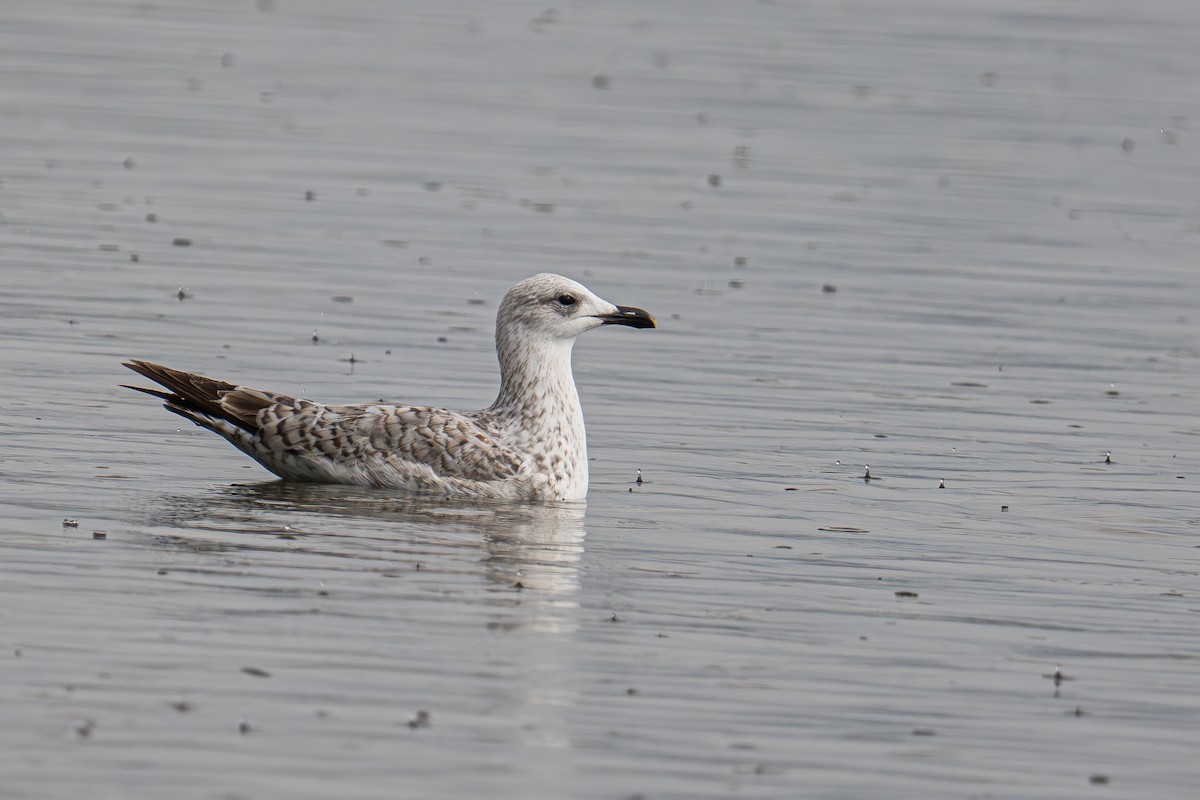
[[256, 672], [1058, 676], [421, 720]]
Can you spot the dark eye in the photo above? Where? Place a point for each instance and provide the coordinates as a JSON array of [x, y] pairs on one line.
[[567, 300]]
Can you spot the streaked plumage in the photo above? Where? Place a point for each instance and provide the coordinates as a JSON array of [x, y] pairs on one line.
[[528, 445]]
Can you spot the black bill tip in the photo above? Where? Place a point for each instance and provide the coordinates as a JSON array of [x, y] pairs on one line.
[[628, 315]]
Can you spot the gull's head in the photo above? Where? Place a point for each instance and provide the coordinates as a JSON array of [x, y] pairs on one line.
[[550, 307]]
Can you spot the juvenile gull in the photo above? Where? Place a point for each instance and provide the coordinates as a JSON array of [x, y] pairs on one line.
[[528, 445]]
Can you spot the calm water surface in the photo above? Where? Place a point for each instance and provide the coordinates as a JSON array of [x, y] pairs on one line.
[[953, 241]]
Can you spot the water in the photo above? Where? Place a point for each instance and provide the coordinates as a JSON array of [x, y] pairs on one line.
[[1000, 199]]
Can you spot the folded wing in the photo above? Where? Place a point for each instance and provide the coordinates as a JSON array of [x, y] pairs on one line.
[[383, 445]]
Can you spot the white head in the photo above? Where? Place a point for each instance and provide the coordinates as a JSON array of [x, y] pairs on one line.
[[536, 327], [547, 307]]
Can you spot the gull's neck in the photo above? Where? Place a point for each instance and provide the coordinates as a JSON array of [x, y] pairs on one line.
[[537, 410]]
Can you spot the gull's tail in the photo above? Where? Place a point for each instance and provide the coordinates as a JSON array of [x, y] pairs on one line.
[[208, 402]]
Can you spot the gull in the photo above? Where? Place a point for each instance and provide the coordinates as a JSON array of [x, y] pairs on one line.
[[529, 445]]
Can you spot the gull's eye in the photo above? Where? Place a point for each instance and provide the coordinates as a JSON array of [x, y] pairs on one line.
[[567, 300]]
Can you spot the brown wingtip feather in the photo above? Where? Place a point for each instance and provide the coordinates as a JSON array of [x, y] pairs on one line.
[[153, 392], [191, 392]]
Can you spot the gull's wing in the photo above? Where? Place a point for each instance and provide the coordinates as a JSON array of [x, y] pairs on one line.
[[385, 445], [450, 444]]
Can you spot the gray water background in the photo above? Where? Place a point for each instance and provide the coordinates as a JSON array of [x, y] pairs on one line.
[[1004, 196]]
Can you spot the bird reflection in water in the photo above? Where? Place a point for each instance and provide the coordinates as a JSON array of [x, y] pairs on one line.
[[525, 548]]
